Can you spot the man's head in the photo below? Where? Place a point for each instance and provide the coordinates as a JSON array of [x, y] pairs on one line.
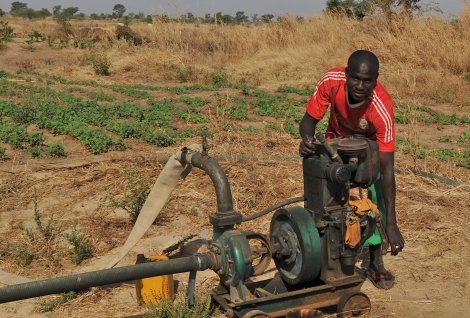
[[361, 75]]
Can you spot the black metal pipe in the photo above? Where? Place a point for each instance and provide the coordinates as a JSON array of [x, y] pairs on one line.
[[104, 277], [219, 179], [272, 208]]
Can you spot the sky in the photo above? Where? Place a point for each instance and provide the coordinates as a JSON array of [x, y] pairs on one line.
[[201, 7]]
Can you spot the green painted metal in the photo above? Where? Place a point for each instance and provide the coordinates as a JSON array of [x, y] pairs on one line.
[[299, 256]]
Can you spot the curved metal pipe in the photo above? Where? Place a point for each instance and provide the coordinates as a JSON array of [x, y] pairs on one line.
[[219, 179], [104, 277]]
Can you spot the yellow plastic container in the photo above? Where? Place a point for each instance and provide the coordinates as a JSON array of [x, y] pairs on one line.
[[154, 290]]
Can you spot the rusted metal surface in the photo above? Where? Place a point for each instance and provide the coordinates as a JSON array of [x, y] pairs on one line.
[[277, 300]]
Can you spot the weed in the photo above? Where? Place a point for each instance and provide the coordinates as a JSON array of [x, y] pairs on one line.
[[138, 187], [3, 154], [467, 77], [184, 74], [55, 149], [444, 139], [81, 247], [35, 151], [219, 78], [46, 231], [100, 63], [179, 309], [52, 303], [83, 43], [24, 256]]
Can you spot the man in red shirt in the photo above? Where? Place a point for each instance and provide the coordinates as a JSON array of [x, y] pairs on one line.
[[359, 104]]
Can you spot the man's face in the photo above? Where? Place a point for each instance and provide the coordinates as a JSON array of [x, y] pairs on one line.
[[360, 80]]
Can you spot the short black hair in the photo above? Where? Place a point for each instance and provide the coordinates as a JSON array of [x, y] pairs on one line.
[[363, 56]]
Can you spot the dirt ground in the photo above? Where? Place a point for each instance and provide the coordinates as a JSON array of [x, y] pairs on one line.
[[432, 276]]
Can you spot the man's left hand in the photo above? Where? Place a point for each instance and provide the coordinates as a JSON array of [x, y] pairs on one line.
[[397, 243]]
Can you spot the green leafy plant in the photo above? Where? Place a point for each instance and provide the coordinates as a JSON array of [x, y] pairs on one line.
[[55, 149], [100, 63], [82, 249], [6, 33], [138, 188], [219, 78], [180, 309], [52, 303], [3, 154], [464, 137]]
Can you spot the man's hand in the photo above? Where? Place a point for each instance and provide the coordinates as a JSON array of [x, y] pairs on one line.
[[397, 243], [306, 147]]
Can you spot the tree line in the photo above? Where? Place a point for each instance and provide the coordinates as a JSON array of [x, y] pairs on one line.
[[357, 9]]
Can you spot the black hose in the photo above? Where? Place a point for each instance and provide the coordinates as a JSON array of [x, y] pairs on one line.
[[272, 208], [104, 277]]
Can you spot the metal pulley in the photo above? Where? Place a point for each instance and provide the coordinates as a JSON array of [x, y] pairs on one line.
[[296, 245]]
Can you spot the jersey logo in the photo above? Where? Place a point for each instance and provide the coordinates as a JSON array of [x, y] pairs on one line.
[[363, 124]]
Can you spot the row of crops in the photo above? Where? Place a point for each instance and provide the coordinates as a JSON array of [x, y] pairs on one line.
[[102, 116]]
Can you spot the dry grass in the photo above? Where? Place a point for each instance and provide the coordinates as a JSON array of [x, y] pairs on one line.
[[423, 58]]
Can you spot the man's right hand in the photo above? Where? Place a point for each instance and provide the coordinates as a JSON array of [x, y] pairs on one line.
[[306, 147]]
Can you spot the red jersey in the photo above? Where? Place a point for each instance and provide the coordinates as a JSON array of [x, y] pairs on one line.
[[373, 119]]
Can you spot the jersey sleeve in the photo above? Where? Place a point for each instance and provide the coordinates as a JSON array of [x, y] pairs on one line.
[[318, 103], [384, 122]]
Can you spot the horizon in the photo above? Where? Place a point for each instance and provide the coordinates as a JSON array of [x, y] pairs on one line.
[[175, 8]]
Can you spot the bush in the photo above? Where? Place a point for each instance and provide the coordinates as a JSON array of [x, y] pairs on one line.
[[219, 78], [81, 247], [100, 64], [6, 33], [55, 149]]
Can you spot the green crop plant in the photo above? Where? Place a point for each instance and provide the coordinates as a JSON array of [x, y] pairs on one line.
[[55, 149], [101, 96], [464, 137], [82, 249], [132, 92], [307, 91], [194, 101]]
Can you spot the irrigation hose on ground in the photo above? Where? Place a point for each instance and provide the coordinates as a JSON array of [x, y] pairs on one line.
[[104, 277]]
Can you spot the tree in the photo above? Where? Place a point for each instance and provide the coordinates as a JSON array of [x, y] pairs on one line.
[[56, 10], [119, 10], [2, 13], [359, 9], [16, 6], [69, 12], [240, 17], [266, 18]]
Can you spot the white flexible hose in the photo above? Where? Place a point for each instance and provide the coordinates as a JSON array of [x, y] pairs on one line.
[[156, 200]]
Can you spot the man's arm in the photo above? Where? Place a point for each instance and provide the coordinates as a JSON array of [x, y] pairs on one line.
[[389, 190], [307, 131]]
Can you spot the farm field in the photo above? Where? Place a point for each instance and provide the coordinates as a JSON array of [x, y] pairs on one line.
[[87, 124]]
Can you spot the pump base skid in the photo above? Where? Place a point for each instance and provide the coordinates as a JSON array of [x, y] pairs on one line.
[[275, 298]]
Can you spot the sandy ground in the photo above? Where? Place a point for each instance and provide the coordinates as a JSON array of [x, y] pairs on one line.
[[432, 274]]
